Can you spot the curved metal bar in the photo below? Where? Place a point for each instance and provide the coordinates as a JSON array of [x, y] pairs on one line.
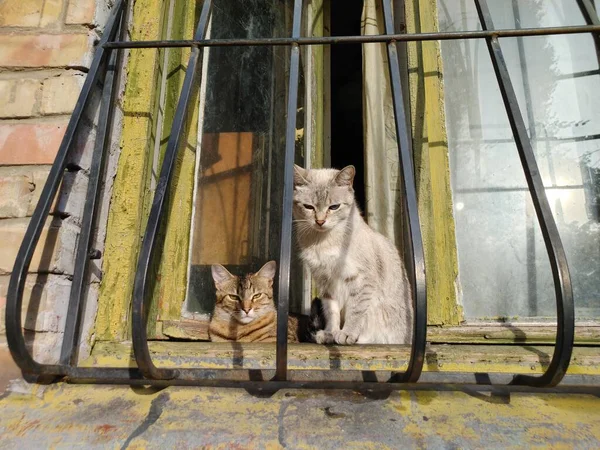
[[283, 289], [69, 350], [419, 287], [558, 260], [140, 289], [14, 302], [591, 18]]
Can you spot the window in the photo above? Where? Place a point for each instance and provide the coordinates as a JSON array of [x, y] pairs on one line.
[[469, 179], [237, 205], [504, 271], [227, 163]]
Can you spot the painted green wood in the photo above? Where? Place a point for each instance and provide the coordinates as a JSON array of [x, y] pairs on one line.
[[127, 214], [432, 166]]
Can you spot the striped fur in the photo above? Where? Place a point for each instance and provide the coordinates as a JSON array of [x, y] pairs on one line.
[[245, 311]]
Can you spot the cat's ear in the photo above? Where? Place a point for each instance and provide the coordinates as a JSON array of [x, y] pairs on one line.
[[299, 176], [220, 274], [268, 270], [346, 176]]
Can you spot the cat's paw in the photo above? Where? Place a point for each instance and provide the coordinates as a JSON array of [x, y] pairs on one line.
[[343, 338], [324, 337]]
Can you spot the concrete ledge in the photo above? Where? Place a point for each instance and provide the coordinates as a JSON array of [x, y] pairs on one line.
[[98, 417], [439, 358]]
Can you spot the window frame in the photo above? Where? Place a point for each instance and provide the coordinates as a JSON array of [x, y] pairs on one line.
[[430, 149]]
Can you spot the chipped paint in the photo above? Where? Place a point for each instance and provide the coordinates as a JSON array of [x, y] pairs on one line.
[[171, 285], [130, 195], [180, 417], [430, 147], [132, 192], [438, 358]]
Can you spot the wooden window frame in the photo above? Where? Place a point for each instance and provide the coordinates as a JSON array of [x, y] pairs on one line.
[[154, 80]]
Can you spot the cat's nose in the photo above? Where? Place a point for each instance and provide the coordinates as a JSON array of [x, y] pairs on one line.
[[320, 222]]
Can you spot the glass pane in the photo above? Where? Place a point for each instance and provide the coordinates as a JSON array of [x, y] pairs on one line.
[[237, 204], [461, 15], [251, 19], [503, 266]]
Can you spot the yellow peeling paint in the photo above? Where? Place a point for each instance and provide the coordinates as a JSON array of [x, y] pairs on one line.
[[438, 358], [128, 214], [432, 166], [130, 196], [68, 416], [170, 289], [453, 418]]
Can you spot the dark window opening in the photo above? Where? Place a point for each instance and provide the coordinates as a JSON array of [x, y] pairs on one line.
[[347, 145]]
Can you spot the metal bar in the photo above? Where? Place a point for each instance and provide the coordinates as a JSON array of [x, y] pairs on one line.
[[14, 302], [419, 289], [323, 379], [326, 40], [558, 260], [285, 253], [140, 289], [589, 12], [76, 298]]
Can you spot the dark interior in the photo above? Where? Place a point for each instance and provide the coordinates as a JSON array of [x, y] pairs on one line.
[[347, 146]]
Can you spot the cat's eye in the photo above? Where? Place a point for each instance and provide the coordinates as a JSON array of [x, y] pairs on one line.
[[256, 296], [334, 207], [234, 297], [311, 207]]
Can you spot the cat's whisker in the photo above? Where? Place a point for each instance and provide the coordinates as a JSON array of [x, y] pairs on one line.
[[303, 230]]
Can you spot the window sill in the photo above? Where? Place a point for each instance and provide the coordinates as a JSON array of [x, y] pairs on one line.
[[511, 333], [587, 333], [439, 357]]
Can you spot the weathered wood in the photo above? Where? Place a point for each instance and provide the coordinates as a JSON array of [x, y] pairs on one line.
[[509, 334], [195, 330], [130, 200], [439, 358], [171, 283], [432, 169]]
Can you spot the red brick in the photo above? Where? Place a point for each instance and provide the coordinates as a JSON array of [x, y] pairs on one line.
[[59, 94], [15, 195], [30, 13], [45, 50], [46, 295], [81, 12], [55, 251], [18, 97], [30, 143]]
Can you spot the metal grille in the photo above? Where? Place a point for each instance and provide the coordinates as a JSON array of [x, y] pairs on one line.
[[104, 68]]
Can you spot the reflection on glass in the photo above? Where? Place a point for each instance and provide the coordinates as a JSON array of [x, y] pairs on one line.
[[237, 201], [503, 266]]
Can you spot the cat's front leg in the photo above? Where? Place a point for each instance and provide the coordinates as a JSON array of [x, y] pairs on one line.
[[331, 311], [355, 316]]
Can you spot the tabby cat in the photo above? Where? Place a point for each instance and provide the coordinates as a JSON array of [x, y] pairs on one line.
[[245, 311], [366, 296]]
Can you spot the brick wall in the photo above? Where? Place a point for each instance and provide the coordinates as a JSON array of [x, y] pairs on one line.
[[45, 50]]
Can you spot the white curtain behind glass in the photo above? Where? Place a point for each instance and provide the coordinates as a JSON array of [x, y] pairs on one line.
[[383, 200]]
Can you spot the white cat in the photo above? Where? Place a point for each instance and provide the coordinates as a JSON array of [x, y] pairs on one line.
[[359, 274]]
